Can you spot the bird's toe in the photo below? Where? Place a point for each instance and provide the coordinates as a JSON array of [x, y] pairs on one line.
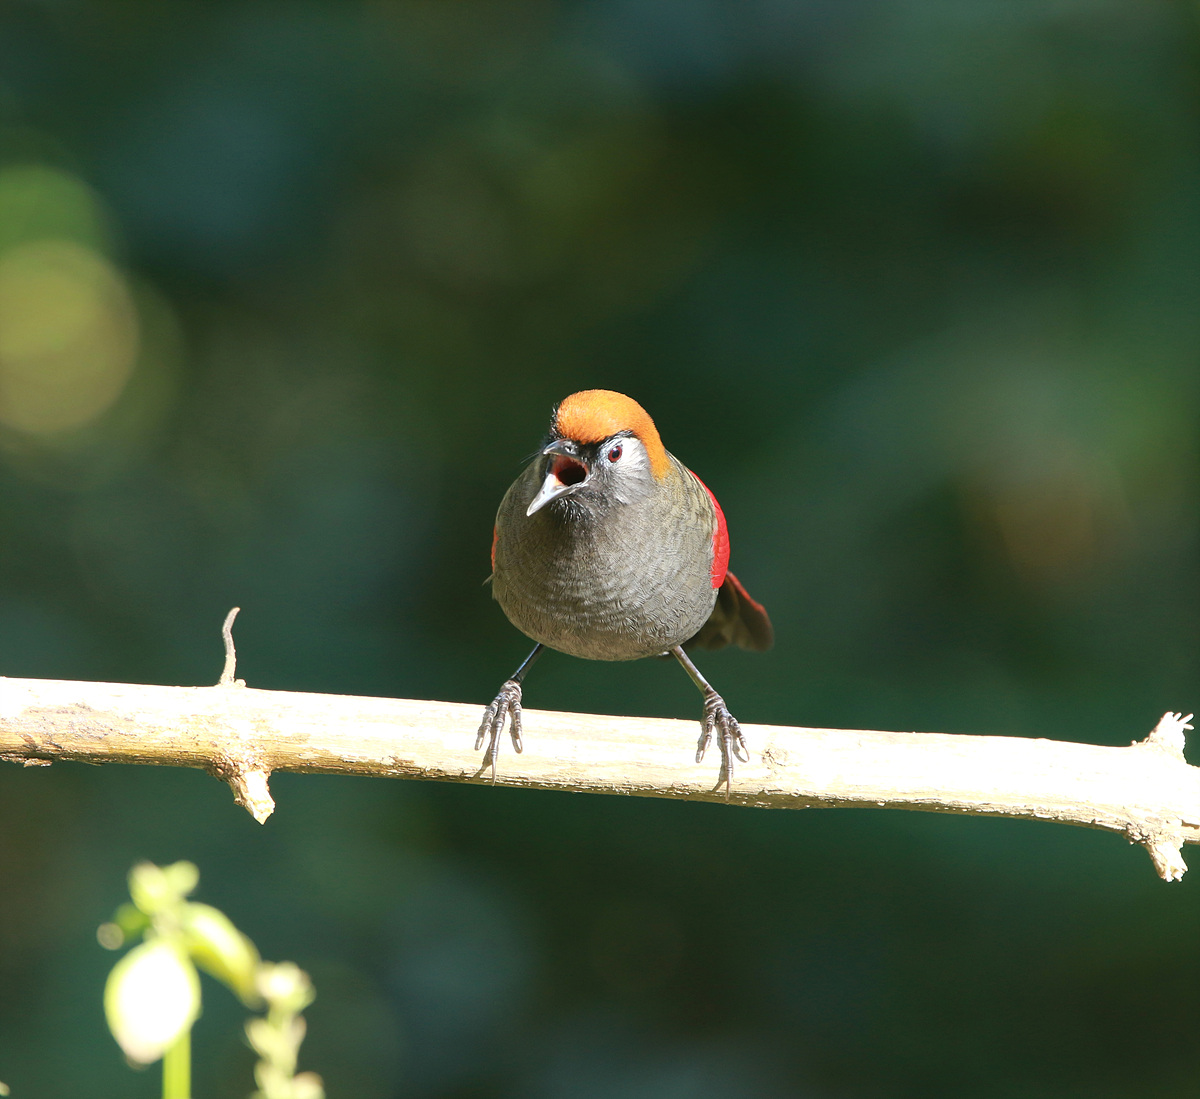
[[505, 707]]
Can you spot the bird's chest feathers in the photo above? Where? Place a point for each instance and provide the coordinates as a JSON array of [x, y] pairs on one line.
[[575, 549], [624, 553], [614, 582]]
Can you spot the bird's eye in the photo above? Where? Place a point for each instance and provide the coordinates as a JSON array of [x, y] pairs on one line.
[[614, 453]]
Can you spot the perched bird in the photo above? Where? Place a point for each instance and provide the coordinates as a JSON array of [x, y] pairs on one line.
[[607, 547]]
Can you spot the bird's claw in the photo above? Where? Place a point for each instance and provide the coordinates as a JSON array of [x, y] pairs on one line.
[[718, 719], [505, 706]]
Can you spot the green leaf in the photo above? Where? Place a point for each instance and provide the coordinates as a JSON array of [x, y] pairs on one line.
[[221, 950], [155, 888]]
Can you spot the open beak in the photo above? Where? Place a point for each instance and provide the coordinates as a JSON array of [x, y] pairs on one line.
[[564, 472]]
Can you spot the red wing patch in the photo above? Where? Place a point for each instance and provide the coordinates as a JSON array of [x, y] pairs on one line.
[[720, 558], [495, 535]]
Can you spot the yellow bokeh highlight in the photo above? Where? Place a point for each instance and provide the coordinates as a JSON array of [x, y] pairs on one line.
[[38, 202], [68, 336]]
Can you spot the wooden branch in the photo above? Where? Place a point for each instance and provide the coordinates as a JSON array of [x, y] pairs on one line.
[[1145, 791]]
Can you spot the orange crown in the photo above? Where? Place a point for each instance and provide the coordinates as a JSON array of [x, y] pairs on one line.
[[594, 415]]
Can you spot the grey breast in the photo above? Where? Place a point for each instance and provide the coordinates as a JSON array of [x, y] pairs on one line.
[[625, 582]]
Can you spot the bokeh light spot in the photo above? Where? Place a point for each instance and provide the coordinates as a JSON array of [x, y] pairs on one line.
[[38, 202], [68, 336]]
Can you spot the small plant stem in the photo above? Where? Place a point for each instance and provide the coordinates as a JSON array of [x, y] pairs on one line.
[[177, 1068]]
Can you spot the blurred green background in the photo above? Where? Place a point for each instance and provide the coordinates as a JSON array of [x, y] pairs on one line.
[[287, 291]]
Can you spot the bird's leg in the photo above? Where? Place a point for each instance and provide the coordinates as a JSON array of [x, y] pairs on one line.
[[717, 718], [507, 704]]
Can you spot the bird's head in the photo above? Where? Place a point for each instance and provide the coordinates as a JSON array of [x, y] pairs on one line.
[[603, 447]]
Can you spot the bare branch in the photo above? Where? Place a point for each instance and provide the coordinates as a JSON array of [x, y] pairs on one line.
[[1145, 791], [229, 672]]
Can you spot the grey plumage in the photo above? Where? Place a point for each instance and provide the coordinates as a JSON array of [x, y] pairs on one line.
[[606, 575]]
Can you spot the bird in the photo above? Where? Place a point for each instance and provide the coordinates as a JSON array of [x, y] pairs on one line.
[[607, 547]]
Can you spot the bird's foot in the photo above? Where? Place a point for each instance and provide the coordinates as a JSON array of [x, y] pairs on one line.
[[505, 706], [718, 719]]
